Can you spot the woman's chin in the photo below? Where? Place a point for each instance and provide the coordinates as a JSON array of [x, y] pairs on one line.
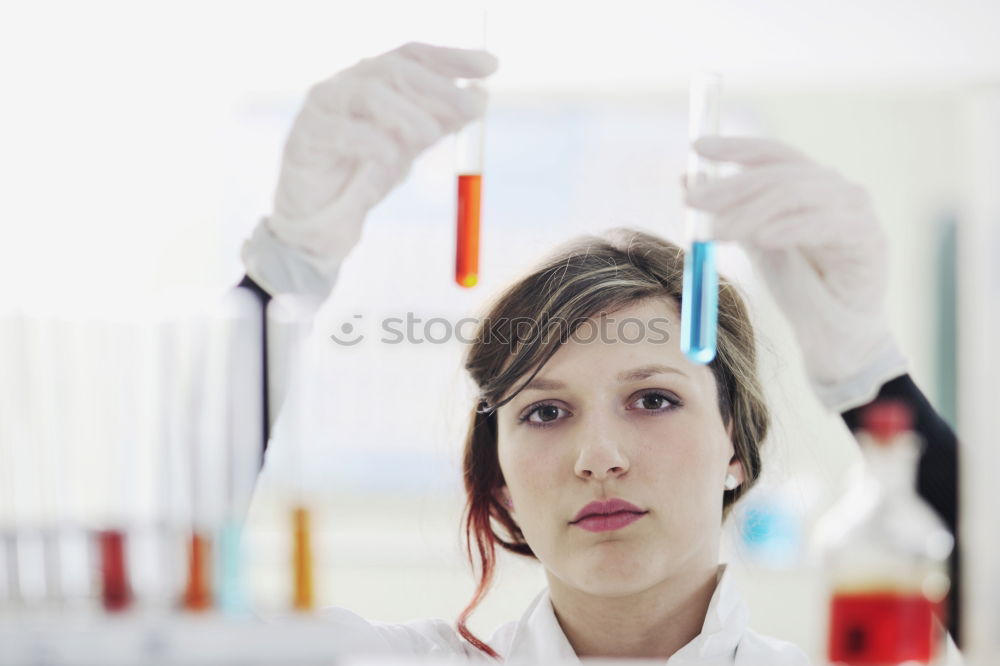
[[615, 575]]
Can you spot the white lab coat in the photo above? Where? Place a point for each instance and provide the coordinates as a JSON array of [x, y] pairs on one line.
[[537, 637]]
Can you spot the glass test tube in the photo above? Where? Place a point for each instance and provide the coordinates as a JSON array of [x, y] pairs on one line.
[[194, 422], [38, 349], [700, 300], [95, 449], [168, 499], [242, 378], [289, 321], [197, 593], [470, 183], [116, 591], [469, 171], [302, 560], [120, 342], [10, 524]]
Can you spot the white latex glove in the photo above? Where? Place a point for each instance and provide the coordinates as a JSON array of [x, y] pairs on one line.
[[352, 142], [814, 238]]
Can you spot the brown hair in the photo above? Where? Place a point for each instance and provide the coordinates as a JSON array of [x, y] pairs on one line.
[[524, 328]]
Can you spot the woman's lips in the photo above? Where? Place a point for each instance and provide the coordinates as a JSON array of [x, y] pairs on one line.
[[608, 506], [606, 515], [608, 521]]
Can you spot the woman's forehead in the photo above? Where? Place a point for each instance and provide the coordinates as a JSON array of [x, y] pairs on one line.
[[633, 342]]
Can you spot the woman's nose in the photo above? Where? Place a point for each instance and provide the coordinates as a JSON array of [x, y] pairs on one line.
[[600, 456]]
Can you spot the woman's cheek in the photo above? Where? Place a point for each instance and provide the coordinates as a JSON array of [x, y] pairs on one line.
[[539, 471], [679, 453], [525, 464]]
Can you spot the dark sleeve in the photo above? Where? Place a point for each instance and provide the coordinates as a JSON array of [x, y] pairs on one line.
[[264, 299], [937, 474]]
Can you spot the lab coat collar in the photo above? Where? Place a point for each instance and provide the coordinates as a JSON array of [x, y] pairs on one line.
[[539, 638]]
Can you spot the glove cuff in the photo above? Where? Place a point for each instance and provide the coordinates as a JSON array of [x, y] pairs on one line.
[[282, 269], [861, 388]]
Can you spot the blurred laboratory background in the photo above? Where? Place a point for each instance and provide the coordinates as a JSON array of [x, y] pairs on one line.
[[141, 144]]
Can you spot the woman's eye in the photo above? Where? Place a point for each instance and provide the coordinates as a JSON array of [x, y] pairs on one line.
[[547, 414], [542, 415], [654, 401]]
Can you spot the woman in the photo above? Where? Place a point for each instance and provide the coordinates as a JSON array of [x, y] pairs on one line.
[[610, 459], [601, 450]]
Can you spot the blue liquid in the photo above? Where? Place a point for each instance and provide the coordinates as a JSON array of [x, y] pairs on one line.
[[231, 599], [700, 303]]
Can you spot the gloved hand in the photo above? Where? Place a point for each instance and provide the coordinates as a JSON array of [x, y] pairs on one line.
[[352, 142], [814, 238]]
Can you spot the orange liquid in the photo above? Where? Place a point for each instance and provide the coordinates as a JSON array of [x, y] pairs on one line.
[[881, 628], [116, 594], [302, 564], [198, 594], [467, 239]]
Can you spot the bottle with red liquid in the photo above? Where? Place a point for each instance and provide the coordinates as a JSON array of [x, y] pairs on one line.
[[885, 554]]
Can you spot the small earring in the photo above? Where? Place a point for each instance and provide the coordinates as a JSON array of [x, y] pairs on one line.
[[731, 482]]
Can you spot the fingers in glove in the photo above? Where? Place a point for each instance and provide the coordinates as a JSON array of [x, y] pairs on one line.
[[320, 136], [746, 150], [410, 124], [722, 193], [804, 228], [451, 62], [438, 95], [783, 205]]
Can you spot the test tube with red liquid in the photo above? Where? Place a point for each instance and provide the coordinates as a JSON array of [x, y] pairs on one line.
[[469, 171], [116, 591], [468, 207]]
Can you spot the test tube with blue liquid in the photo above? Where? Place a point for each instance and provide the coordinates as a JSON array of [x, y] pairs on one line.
[[700, 299], [241, 382]]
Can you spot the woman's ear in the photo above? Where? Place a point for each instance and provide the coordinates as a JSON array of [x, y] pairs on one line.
[[736, 470]]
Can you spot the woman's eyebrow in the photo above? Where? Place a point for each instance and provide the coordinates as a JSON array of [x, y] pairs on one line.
[[633, 375], [645, 372]]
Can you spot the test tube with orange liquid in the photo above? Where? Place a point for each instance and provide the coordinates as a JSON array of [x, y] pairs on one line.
[[469, 202], [467, 231], [302, 560], [199, 427], [290, 319], [198, 591], [469, 171]]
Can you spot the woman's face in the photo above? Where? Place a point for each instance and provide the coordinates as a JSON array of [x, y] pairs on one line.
[[610, 417]]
